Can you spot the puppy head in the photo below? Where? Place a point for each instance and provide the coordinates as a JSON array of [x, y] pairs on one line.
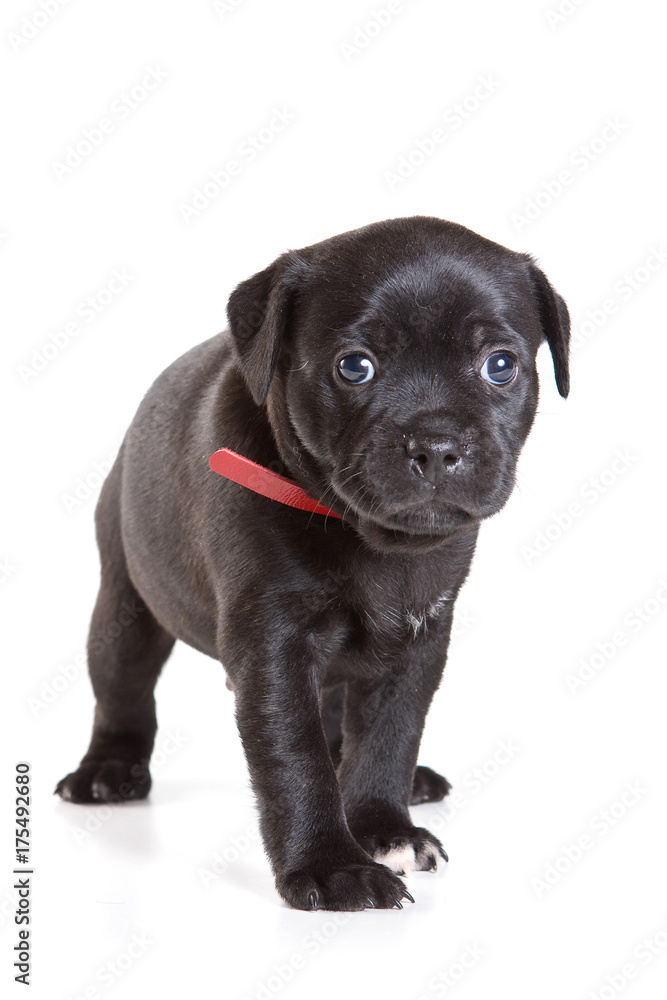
[[397, 363]]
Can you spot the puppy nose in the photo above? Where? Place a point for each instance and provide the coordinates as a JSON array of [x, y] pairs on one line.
[[434, 458]]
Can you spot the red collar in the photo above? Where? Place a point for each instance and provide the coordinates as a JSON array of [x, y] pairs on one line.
[[260, 480]]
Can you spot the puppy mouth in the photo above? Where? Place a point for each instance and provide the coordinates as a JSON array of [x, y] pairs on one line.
[[420, 521], [415, 520], [407, 535]]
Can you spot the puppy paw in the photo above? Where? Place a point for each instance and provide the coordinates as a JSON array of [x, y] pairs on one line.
[[428, 786], [414, 850], [112, 780], [350, 886]]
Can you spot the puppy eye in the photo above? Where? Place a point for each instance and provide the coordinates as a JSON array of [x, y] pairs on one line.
[[499, 368], [356, 368]]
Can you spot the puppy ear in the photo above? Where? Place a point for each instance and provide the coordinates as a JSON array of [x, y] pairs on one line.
[[257, 312], [555, 320]]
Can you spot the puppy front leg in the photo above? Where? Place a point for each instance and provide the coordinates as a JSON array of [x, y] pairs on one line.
[[315, 859], [382, 729]]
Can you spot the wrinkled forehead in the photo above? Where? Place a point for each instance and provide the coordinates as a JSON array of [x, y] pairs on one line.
[[425, 291], [445, 292]]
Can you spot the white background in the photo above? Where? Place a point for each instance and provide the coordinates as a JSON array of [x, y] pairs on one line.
[[527, 618]]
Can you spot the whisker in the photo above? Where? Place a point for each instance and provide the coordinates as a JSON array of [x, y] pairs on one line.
[[353, 476], [321, 501], [349, 503]]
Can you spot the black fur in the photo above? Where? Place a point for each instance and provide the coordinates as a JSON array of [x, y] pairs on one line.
[[333, 633]]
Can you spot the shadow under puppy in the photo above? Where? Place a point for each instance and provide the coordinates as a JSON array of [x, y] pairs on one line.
[[390, 372]]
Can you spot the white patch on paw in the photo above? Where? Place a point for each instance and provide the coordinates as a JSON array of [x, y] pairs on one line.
[[398, 859]]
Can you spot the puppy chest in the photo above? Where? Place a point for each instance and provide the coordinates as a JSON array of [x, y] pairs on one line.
[[380, 633]]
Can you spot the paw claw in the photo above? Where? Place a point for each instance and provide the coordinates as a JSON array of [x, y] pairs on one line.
[[408, 896], [354, 884]]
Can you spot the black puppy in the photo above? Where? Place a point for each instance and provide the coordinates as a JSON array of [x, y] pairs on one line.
[[390, 372]]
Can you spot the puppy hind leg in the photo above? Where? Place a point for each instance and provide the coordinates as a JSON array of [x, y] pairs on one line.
[[127, 648], [126, 651]]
